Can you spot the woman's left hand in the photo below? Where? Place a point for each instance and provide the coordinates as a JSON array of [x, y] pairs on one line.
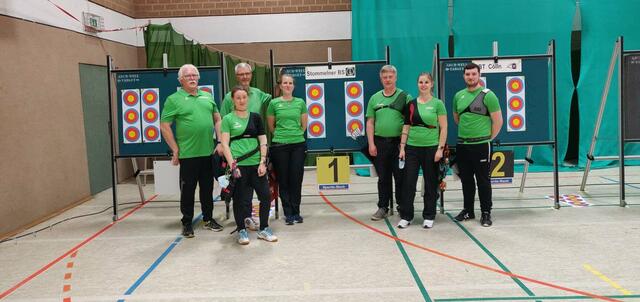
[[438, 156], [262, 169]]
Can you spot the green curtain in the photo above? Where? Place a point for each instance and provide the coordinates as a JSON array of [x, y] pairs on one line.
[[602, 23], [159, 39], [521, 28], [410, 28], [261, 74]]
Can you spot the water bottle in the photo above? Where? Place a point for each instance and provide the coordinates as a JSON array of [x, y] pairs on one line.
[[223, 181], [401, 163]]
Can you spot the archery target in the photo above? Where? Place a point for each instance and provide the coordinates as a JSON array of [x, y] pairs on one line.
[[131, 135], [315, 110], [151, 134], [130, 97], [206, 88], [150, 97], [131, 116], [315, 92], [516, 111], [515, 85], [354, 108], [515, 103], [150, 115], [483, 82], [516, 122]]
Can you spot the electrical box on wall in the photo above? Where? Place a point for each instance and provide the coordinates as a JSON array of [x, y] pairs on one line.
[[92, 23]]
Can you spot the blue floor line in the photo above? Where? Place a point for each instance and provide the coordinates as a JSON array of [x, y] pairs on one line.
[[616, 181]]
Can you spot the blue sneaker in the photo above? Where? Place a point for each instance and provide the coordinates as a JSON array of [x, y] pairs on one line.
[[243, 237], [298, 219], [288, 220], [267, 235]]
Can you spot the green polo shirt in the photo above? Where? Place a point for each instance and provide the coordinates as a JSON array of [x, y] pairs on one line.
[[287, 116], [388, 121], [257, 98], [473, 125], [235, 125], [429, 112], [193, 116]]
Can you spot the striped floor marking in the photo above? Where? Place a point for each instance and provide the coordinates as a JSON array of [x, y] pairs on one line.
[[467, 262], [606, 279], [66, 285]]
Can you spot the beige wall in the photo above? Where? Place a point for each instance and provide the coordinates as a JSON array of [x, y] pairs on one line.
[[290, 52], [44, 162]]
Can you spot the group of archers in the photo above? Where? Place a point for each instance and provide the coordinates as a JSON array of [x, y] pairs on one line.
[[399, 129]]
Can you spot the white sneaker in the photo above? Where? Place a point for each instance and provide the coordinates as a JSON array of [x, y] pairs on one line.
[[402, 224], [251, 224], [267, 235], [427, 224]]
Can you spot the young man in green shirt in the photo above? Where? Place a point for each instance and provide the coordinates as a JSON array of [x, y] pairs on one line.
[[194, 112], [477, 112], [384, 125]]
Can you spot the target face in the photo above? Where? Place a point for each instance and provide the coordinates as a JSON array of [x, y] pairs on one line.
[[132, 134], [315, 110], [354, 90], [314, 92], [131, 116], [206, 89], [151, 133], [515, 85], [150, 97], [515, 103], [354, 125], [516, 122], [354, 108], [130, 98], [150, 115], [316, 129]]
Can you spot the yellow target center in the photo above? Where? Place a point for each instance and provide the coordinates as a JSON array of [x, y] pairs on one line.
[[132, 134], [130, 98], [149, 97], [152, 133], [354, 90], [515, 85], [315, 110], [131, 116], [315, 92], [316, 129], [516, 122]]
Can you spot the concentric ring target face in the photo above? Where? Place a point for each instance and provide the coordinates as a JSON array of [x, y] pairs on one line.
[[515, 85], [206, 89], [354, 108], [316, 129], [355, 124], [354, 90], [132, 134], [315, 110], [516, 122], [131, 116], [516, 103], [130, 98], [150, 97], [314, 92], [150, 115], [151, 133]]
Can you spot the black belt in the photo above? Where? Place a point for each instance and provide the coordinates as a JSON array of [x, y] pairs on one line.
[[473, 139], [388, 139]]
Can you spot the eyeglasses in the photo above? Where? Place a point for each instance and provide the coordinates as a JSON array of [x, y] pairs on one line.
[[245, 74], [192, 76]]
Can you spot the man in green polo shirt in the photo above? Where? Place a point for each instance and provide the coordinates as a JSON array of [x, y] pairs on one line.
[[477, 112], [257, 98], [384, 125], [194, 113]]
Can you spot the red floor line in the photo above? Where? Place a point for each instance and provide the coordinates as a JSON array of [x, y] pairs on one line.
[[72, 250], [478, 265]]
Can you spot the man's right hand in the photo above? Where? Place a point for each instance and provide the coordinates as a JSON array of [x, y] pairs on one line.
[[174, 159], [373, 151]]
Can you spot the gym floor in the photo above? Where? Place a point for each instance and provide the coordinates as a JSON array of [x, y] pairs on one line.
[[532, 252]]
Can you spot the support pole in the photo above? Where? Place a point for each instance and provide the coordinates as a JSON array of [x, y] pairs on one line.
[[621, 133], [114, 161], [603, 103], [526, 168], [556, 180]]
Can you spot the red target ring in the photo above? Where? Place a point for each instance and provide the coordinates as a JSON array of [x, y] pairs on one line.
[[515, 85], [516, 103], [130, 98], [314, 92], [150, 97], [316, 129], [354, 108], [354, 90], [355, 124], [315, 110], [151, 133], [150, 115], [132, 134], [516, 122], [131, 116], [206, 89]]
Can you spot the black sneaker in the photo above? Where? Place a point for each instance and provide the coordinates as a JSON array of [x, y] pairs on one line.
[[213, 225], [485, 220], [187, 231], [464, 215], [288, 220], [298, 219]]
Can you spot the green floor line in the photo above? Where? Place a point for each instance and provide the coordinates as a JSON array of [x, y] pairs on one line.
[[423, 290], [533, 298], [502, 266]]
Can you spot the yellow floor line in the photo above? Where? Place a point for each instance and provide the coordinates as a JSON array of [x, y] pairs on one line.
[[606, 279]]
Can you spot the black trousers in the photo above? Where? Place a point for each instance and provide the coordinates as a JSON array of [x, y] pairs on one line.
[[288, 161], [416, 158], [196, 171], [243, 194], [474, 162], [386, 164]]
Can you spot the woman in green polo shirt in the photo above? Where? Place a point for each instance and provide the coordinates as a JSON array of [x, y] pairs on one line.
[[245, 146], [287, 120], [424, 135]]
